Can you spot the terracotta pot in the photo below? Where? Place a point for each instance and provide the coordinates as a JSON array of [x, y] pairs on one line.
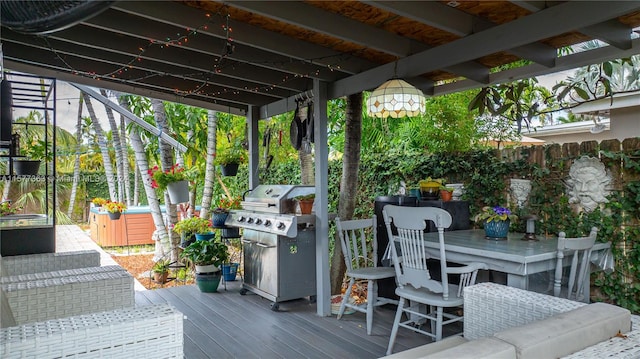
[[306, 206], [446, 196]]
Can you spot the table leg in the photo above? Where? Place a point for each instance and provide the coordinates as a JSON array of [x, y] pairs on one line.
[[518, 281]]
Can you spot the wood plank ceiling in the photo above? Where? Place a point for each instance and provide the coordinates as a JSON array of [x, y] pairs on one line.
[[230, 55]]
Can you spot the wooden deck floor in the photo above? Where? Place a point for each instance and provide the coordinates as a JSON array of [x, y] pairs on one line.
[[229, 325]]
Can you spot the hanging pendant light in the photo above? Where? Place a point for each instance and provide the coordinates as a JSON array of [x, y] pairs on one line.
[[396, 98]]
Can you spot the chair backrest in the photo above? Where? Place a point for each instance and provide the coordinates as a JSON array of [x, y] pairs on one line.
[[581, 249], [411, 264], [353, 240]]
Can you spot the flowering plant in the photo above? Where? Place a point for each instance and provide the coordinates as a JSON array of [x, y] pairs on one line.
[[225, 204], [99, 201], [114, 207], [193, 225], [160, 179], [496, 213], [6, 209], [233, 152]]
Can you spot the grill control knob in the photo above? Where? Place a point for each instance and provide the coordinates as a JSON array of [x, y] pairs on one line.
[[250, 220], [267, 223], [241, 219], [280, 225], [258, 221]]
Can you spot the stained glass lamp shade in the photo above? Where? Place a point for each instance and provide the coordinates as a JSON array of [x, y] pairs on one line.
[[396, 98]]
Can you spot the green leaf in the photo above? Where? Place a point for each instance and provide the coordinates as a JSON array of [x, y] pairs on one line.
[[582, 93]]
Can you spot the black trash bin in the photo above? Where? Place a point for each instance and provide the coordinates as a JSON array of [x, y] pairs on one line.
[[387, 287]]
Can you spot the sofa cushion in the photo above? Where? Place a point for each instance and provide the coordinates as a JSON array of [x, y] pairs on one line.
[[430, 348], [485, 348], [567, 332]]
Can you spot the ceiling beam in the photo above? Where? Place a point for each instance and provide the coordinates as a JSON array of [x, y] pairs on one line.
[[613, 32], [88, 61], [457, 22], [564, 63], [543, 24], [176, 14], [327, 23], [124, 87]]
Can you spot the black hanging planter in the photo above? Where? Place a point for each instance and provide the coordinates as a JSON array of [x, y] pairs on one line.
[[26, 167], [114, 215], [230, 169]]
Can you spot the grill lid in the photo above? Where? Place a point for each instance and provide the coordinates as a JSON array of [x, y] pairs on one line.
[[274, 198]]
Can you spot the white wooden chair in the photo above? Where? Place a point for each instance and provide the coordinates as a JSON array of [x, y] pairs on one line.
[[361, 257], [580, 250], [414, 281]]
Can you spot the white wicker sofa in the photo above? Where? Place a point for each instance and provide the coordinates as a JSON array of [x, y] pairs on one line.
[[506, 322], [59, 305]]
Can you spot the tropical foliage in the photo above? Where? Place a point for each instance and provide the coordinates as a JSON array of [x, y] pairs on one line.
[[6, 209], [206, 253], [193, 225], [225, 204], [497, 213]]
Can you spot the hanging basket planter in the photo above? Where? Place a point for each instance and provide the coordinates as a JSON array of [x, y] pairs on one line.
[[114, 215], [230, 169], [178, 191]]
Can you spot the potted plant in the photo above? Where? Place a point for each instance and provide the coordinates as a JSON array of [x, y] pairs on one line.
[[206, 256], [114, 209], [99, 201], [204, 230], [446, 193], [6, 209], [496, 221], [305, 202], [229, 157], [160, 270], [175, 180], [430, 187], [189, 227], [219, 214], [35, 152]]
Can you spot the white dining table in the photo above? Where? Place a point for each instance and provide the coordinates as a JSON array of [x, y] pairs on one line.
[[517, 258]]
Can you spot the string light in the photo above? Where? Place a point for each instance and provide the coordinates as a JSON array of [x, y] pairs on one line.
[[218, 65]]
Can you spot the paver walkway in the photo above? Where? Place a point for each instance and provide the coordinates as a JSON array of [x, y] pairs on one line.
[[73, 238]]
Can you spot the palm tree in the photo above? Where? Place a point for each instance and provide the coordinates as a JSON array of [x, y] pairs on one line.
[[76, 166], [102, 143], [118, 144], [348, 181], [134, 102], [209, 172], [166, 161]]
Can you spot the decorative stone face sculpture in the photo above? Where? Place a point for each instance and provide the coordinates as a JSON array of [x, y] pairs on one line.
[[588, 183], [520, 189]]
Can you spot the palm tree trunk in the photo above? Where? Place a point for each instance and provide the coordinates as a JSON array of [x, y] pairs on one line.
[[117, 144], [348, 182], [104, 150], [125, 161], [154, 205], [210, 169], [136, 185], [166, 161], [76, 166], [307, 175]]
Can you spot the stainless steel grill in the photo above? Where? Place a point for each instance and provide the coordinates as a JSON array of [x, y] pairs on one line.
[[278, 244]]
